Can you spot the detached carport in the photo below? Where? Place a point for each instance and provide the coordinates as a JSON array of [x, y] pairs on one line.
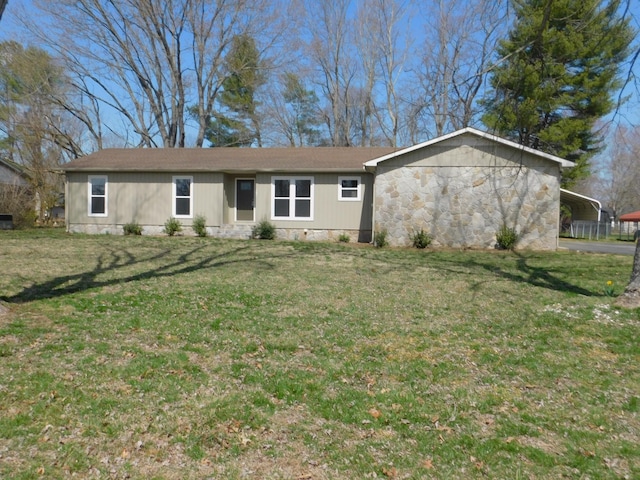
[[628, 219], [585, 215]]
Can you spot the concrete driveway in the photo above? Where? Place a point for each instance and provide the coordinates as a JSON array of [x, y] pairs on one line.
[[616, 248]]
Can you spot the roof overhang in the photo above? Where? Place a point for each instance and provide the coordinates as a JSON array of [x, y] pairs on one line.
[[228, 160], [582, 207]]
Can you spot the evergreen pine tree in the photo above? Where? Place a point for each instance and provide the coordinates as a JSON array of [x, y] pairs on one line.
[[304, 106], [239, 125], [557, 75]]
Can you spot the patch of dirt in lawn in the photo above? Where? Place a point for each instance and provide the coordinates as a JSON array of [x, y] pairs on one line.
[[487, 423], [283, 453], [545, 443]]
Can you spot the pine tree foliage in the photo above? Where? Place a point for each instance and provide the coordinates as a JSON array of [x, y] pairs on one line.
[[238, 126], [304, 107], [557, 74]]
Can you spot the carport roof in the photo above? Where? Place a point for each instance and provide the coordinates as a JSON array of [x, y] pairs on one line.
[[582, 207]]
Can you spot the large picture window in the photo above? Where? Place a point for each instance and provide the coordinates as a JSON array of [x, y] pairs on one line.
[[182, 197], [292, 198], [349, 189], [97, 196]]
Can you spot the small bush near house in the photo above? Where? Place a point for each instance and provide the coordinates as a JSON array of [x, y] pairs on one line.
[[172, 226], [380, 239], [132, 229], [421, 239], [344, 238], [506, 238], [265, 230], [200, 225]]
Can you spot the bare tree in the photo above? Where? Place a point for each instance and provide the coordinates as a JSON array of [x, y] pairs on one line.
[[3, 4], [329, 29], [383, 44], [456, 59], [154, 63], [17, 200], [31, 124], [617, 181], [631, 296]]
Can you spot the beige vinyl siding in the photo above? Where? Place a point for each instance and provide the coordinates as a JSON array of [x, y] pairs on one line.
[[329, 213], [145, 198], [467, 151]]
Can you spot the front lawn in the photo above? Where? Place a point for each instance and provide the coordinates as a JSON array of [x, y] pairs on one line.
[[178, 358]]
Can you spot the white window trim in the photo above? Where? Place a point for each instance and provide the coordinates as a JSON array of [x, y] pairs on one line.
[[292, 198], [174, 196], [358, 189], [91, 195]]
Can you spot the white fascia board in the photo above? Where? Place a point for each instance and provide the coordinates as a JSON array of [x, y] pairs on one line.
[[563, 163]]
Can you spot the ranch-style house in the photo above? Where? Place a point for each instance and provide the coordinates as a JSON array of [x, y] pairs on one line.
[[460, 188]]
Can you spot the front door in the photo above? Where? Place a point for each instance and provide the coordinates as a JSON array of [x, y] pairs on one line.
[[245, 199]]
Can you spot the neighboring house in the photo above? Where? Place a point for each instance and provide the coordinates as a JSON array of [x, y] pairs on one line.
[[460, 188], [14, 193], [11, 174]]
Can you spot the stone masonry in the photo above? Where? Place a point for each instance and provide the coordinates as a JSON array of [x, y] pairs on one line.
[[465, 206]]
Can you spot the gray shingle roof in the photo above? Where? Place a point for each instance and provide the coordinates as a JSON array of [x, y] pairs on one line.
[[312, 159]]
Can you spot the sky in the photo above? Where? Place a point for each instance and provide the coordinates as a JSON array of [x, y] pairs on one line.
[[628, 113]]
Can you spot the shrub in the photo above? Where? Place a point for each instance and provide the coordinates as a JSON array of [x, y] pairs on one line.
[[25, 219], [17, 200], [421, 239], [132, 228], [265, 230], [172, 226], [380, 239], [506, 238], [344, 238], [200, 225]]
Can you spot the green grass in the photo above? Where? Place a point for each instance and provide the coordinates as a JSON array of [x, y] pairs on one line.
[[158, 357]]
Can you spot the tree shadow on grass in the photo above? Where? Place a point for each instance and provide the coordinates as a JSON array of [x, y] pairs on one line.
[[109, 263], [542, 277]]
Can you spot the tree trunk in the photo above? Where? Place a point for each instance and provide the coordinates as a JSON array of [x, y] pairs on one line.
[[631, 296]]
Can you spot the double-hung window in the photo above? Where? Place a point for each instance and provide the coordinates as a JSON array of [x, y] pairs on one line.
[[349, 189], [182, 197], [97, 196], [292, 198]]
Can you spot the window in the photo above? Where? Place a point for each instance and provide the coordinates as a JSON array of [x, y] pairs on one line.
[[349, 189], [292, 198], [182, 197], [97, 196]]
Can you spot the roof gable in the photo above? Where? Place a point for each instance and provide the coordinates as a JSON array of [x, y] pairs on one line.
[[469, 131], [11, 171]]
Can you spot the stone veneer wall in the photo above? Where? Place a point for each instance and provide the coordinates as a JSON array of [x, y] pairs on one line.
[[232, 232], [464, 206]]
